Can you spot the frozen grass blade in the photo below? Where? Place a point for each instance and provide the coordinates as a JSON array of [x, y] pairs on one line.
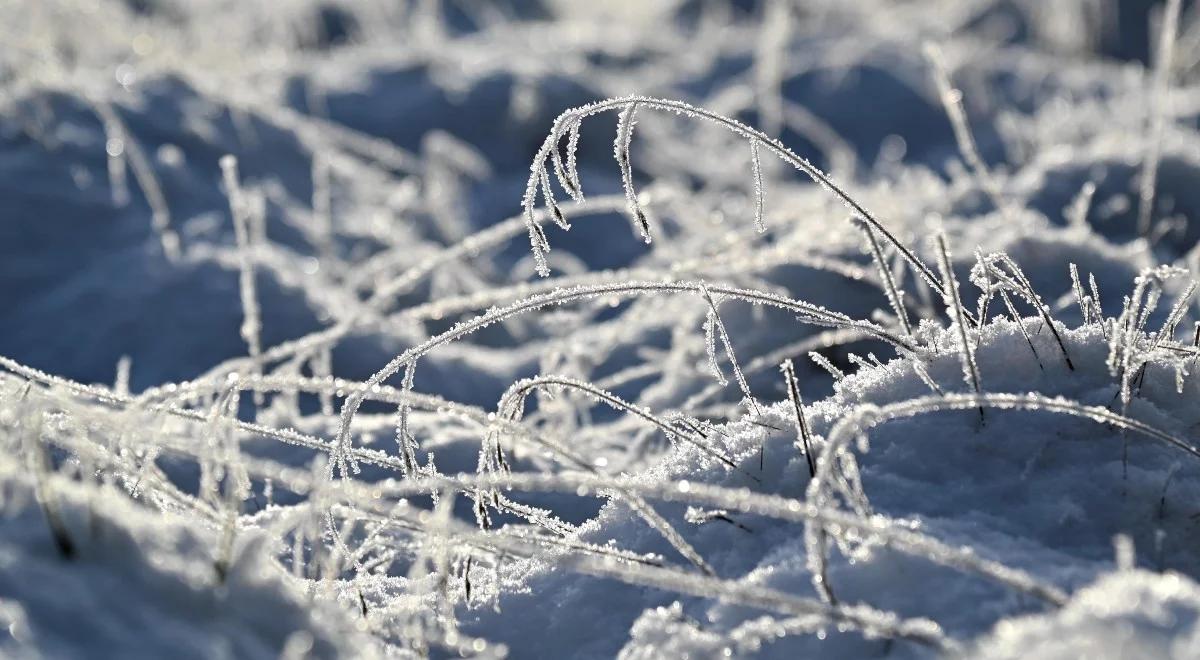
[[322, 209], [621, 147], [1159, 91], [1004, 271], [1081, 298], [951, 99], [987, 291], [789, 375], [121, 381], [824, 363], [570, 119], [714, 320], [122, 144], [1020, 323], [1175, 317], [759, 188], [1077, 212], [896, 535], [239, 207], [954, 309], [39, 464], [804, 312], [512, 403], [894, 295]]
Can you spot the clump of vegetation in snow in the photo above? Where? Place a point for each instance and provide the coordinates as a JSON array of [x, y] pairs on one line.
[[840, 383]]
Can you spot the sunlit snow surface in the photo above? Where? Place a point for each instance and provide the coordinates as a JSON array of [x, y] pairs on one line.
[[448, 328]]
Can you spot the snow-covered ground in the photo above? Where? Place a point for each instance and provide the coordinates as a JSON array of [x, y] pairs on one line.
[[672, 328]]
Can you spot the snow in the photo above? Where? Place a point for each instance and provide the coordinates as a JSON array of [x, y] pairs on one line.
[[1134, 614], [1021, 488], [612, 329], [143, 585]]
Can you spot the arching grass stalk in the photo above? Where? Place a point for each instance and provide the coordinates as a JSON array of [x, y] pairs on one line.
[[805, 312], [569, 121], [846, 430], [513, 402]]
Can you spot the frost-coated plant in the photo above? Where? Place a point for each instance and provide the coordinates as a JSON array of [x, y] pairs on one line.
[[767, 417]]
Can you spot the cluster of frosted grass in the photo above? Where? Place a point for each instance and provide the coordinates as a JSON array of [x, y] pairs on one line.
[[277, 473]]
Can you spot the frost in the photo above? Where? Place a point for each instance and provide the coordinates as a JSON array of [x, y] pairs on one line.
[[1158, 100], [363, 419]]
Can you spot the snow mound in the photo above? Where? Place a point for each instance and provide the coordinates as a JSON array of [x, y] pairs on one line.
[[134, 583], [1037, 483], [1133, 614]]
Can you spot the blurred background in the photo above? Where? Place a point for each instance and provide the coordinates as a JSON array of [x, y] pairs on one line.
[[369, 134]]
